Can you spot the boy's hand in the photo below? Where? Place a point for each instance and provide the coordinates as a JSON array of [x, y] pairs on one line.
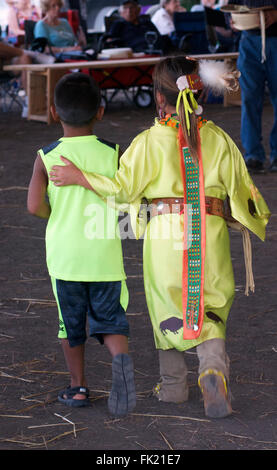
[[65, 175]]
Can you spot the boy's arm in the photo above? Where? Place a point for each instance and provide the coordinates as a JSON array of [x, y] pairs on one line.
[[36, 202]]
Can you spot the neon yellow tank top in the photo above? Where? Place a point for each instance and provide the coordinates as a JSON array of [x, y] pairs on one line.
[[82, 237]]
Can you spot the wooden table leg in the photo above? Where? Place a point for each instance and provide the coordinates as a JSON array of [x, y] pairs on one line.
[[53, 77], [36, 90], [40, 90]]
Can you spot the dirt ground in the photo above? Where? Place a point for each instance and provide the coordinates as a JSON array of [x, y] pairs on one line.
[[32, 368]]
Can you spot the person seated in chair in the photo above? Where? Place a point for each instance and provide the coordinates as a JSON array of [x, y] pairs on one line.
[[130, 29], [56, 30], [163, 18]]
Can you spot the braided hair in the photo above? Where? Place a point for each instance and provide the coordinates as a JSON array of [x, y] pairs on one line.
[[165, 76]]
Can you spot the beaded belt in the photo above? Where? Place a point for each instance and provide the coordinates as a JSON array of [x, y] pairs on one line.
[[172, 205]]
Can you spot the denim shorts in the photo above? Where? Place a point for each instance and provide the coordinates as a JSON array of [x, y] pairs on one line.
[[97, 302]]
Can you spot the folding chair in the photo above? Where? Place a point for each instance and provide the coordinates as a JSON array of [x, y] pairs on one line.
[[80, 7], [190, 32], [134, 82], [9, 89]]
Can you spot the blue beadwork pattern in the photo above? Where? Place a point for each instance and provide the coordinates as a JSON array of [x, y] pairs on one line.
[[194, 241]]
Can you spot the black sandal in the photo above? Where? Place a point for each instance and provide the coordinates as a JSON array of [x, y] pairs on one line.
[[70, 392]]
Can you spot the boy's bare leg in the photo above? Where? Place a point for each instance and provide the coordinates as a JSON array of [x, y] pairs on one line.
[[116, 344], [75, 360]]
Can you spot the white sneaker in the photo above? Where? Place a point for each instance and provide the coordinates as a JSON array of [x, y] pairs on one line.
[[24, 113]]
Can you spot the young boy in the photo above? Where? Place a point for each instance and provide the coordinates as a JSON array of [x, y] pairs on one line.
[[83, 250]]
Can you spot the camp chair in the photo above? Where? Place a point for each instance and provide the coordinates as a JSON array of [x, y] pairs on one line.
[[9, 89], [72, 16], [77, 5], [134, 82], [190, 32]]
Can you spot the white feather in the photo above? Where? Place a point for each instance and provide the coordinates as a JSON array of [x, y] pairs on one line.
[[218, 75]]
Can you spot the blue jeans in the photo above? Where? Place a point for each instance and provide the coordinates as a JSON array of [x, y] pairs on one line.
[[254, 75]]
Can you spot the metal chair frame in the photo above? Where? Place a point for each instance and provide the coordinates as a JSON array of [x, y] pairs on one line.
[[9, 89]]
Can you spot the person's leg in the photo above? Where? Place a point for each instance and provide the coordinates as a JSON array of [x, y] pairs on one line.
[[116, 344], [173, 385], [75, 361], [214, 377], [72, 304], [252, 84]]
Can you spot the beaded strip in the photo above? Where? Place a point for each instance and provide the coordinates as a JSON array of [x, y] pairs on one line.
[[194, 245], [194, 238]]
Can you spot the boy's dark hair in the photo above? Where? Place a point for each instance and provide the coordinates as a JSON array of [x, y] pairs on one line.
[[77, 99]]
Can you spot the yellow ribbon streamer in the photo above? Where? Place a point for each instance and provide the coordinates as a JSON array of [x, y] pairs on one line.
[[184, 94]]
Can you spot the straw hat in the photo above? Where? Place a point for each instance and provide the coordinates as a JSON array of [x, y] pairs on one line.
[[243, 17]]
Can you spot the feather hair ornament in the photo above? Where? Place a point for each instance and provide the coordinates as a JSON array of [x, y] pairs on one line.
[[219, 76]]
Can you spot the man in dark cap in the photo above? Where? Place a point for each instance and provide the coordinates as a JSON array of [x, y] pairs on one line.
[[131, 28]]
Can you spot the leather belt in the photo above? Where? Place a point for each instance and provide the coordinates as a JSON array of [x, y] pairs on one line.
[[172, 205]]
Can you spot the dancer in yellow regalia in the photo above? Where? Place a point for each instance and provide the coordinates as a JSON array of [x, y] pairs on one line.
[[186, 168]]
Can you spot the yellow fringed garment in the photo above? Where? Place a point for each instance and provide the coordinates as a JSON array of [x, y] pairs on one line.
[[150, 168]]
